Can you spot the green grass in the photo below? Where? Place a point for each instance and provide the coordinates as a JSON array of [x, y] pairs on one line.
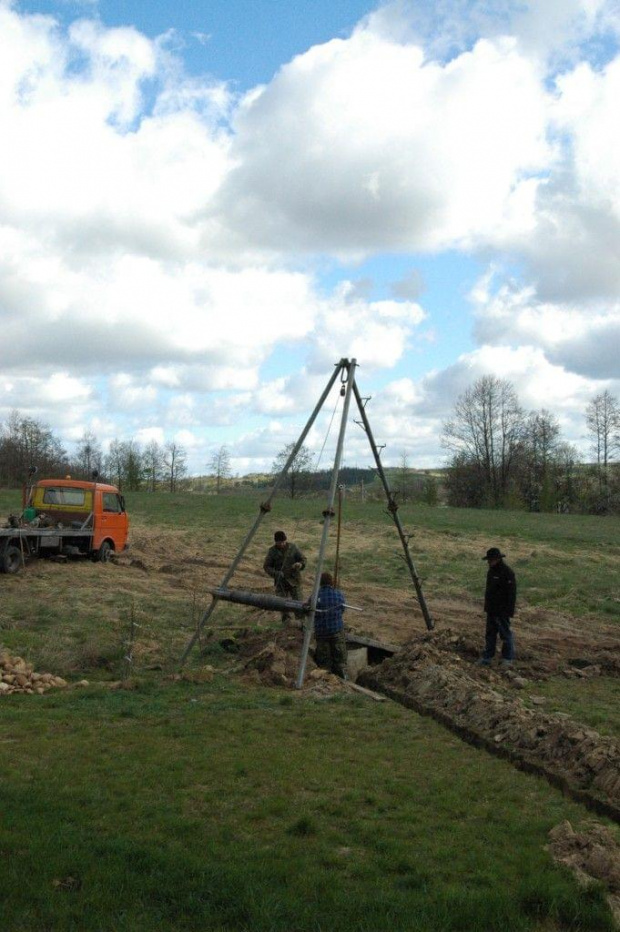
[[566, 562], [595, 701], [224, 807], [217, 807]]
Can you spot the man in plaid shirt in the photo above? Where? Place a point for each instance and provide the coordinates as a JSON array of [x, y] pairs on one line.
[[331, 647]]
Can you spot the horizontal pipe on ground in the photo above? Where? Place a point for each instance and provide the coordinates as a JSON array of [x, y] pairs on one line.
[[272, 603]]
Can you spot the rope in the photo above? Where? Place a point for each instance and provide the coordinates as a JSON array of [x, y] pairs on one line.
[[318, 463]]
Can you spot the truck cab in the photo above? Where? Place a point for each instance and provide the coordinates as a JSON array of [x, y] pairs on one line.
[[71, 517], [93, 506]]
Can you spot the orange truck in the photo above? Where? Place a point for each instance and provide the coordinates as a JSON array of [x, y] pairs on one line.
[[70, 517]]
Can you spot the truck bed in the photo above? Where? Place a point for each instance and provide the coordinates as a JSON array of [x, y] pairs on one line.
[[45, 532]]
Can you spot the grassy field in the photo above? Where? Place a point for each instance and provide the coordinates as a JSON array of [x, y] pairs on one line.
[[222, 805], [219, 807]]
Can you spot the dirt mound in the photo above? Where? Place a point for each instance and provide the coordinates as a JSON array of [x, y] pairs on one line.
[[271, 658], [17, 676], [273, 665], [429, 675], [592, 854]]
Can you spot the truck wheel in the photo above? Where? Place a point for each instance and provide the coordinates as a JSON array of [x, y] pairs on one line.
[[103, 554], [11, 560]]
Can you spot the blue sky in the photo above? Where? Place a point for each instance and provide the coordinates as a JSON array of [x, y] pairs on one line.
[[244, 41], [204, 205]]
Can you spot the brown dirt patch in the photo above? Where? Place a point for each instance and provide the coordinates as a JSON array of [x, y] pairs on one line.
[[548, 642], [592, 854]]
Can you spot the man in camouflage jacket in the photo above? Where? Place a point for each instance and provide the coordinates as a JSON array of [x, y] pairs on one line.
[[284, 563]]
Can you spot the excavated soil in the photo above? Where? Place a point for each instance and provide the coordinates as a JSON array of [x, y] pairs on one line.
[[432, 675], [18, 676], [592, 854]]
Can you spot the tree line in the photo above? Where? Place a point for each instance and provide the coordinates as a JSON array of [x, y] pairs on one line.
[[499, 456], [27, 442], [502, 456]]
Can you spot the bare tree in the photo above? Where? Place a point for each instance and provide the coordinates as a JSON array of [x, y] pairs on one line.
[[219, 466], [403, 479], [538, 461], [567, 476], [114, 463], [88, 456], [175, 457], [134, 465], [603, 423], [26, 442], [299, 470], [153, 464], [123, 464], [484, 435]]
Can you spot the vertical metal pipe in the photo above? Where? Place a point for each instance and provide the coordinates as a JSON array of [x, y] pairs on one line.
[[392, 508], [338, 369], [337, 560], [264, 509], [327, 515]]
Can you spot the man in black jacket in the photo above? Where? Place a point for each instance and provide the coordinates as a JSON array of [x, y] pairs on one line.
[[499, 604]]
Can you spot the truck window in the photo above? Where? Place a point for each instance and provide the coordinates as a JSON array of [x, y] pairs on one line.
[[64, 496], [112, 502]]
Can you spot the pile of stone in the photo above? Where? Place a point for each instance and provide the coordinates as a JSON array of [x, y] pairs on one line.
[[18, 676], [489, 714]]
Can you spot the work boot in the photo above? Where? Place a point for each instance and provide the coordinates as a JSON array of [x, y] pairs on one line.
[[483, 662]]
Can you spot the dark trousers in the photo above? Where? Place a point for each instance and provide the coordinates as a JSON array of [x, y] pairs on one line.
[[331, 654], [288, 590], [498, 625]]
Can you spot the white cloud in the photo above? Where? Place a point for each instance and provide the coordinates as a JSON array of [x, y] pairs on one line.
[[362, 144], [582, 338], [187, 439], [159, 238], [538, 384], [127, 393], [147, 435], [62, 387]]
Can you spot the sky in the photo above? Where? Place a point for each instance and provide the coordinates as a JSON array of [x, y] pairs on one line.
[[205, 205]]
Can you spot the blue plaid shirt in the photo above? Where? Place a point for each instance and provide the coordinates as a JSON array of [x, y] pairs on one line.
[[329, 609]]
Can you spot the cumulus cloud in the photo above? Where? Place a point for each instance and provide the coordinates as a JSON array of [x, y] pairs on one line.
[[161, 239], [448, 27], [538, 382], [108, 267], [363, 144], [582, 339]]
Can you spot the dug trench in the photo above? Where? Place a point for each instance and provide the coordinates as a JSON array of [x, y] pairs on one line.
[[433, 674]]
